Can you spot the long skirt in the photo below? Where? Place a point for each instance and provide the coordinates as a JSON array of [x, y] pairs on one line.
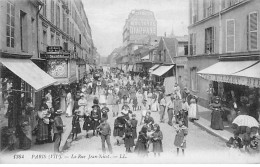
[[216, 120], [129, 142], [25, 142], [69, 109], [118, 132], [157, 146], [95, 124], [134, 133], [76, 128], [42, 133], [87, 124], [179, 141], [141, 148], [63, 104], [193, 111]]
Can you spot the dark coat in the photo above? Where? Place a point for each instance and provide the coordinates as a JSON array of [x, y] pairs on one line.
[[75, 124], [134, 123], [87, 123], [129, 140], [216, 119], [119, 127], [95, 117]]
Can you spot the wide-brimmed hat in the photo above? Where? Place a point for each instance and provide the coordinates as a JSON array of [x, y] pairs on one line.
[[58, 112]]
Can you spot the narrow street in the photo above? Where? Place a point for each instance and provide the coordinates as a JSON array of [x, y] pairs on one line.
[[201, 146]]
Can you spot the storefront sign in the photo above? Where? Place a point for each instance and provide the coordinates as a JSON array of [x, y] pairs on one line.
[[57, 68], [54, 48], [251, 82]]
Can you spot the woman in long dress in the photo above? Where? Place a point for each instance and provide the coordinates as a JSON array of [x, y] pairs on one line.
[[141, 145], [140, 98], [63, 100], [193, 110], [69, 104]]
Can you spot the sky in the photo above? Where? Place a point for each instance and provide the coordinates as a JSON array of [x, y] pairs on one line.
[[107, 19]]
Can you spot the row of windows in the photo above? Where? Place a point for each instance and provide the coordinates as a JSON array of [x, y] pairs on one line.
[[210, 36], [209, 7]]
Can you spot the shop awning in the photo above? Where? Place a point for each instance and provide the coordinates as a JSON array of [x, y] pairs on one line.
[[250, 76], [145, 57], [162, 70], [226, 67], [153, 67], [29, 72], [226, 71]]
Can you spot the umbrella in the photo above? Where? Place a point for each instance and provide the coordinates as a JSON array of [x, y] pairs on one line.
[[245, 120]]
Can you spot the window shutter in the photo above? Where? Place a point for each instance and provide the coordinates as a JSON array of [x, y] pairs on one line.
[[206, 38], [247, 31], [253, 30], [213, 39], [230, 35], [194, 43]]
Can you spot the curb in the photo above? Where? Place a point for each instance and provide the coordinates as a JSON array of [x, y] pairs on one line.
[[209, 130]]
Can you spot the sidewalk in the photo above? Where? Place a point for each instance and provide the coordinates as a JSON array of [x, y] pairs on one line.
[[48, 147], [204, 122]]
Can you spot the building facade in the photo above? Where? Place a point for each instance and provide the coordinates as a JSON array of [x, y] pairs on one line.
[[218, 29], [63, 23], [139, 24]]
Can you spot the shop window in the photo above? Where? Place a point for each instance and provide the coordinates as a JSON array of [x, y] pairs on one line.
[[58, 15], [192, 44], [44, 8], [209, 40], [10, 25], [52, 11], [64, 21], [230, 35], [164, 55], [194, 11], [23, 31], [252, 35], [194, 79]]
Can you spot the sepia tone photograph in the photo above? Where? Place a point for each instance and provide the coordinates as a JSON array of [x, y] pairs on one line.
[[130, 82]]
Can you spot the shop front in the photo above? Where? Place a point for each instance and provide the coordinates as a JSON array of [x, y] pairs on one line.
[[237, 83], [21, 80]]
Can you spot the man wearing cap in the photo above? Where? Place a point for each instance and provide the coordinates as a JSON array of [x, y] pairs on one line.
[[105, 132], [57, 130]]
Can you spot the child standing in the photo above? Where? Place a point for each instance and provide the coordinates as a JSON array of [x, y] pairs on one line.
[[134, 123], [95, 117], [87, 123], [115, 105], [76, 125], [105, 132], [157, 137], [129, 140], [180, 138]]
